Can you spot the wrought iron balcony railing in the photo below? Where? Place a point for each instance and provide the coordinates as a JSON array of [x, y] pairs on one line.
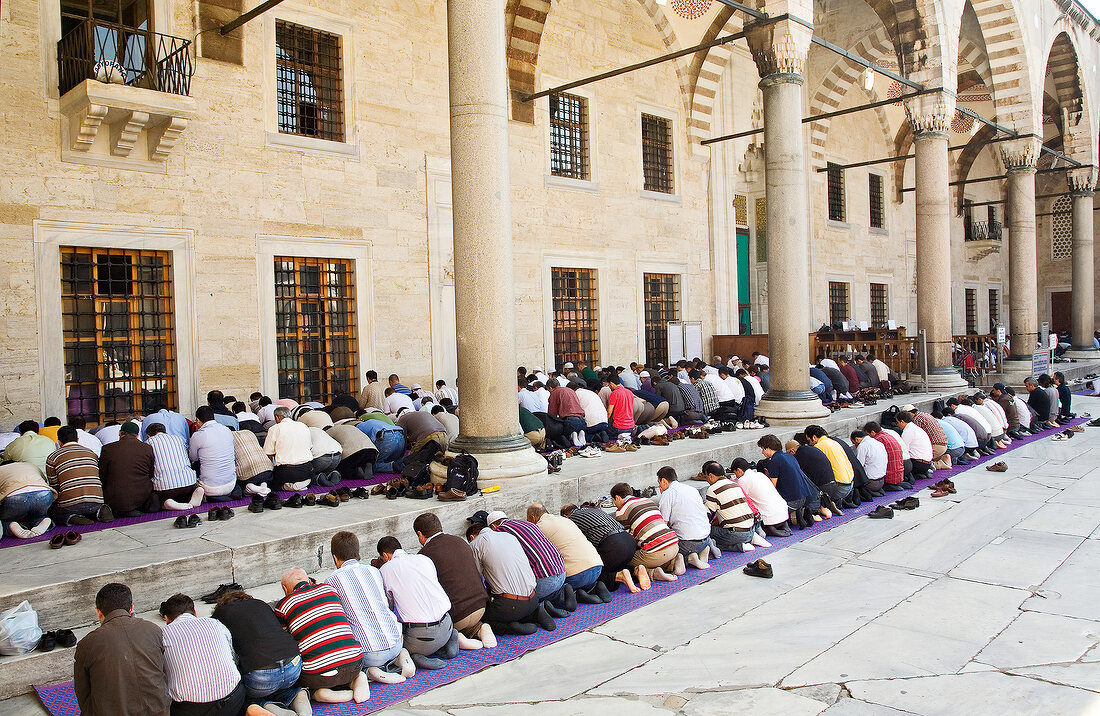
[[983, 230], [124, 55]]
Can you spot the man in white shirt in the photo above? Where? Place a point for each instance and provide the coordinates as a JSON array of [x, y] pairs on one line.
[[534, 396], [969, 438], [760, 359], [290, 445], [421, 606], [918, 443], [212, 447], [773, 509], [882, 369], [540, 376], [83, 437], [722, 390], [684, 511], [326, 452], [442, 390], [396, 401], [872, 455], [997, 422], [595, 415], [827, 362], [375, 627]]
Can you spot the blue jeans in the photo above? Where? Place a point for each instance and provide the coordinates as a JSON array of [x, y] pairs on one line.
[[598, 433], [275, 685], [391, 448], [574, 425], [586, 579], [381, 658], [27, 508], [728, 539], [693, 546], [622, 431], [549, 586]]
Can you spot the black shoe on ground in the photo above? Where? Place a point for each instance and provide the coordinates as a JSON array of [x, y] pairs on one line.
[[48, 642], [758, 568], [194, 521], [226, 513], [271, 502], [65, 638], [257, 504], [295, 502], [215, 595], [180, 522], [881, 513], [214, 514]]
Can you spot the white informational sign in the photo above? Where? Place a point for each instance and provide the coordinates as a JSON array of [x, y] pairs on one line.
[[1040, 362], [675, 331], [863, 326], [844, 326], [892, 325], [1044, 335], [1000, 335], [693, 339]]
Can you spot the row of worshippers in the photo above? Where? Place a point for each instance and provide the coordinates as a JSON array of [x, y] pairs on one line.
[[65, 475], [583, 406], [839, 378]]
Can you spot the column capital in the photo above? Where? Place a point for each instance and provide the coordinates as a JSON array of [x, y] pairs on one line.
[[1081, 181], [1020, 154], [930, 114], [780, 49]]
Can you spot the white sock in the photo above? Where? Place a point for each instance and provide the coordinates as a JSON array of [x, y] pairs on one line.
[[173, 505], [42, 527], [488, 638], [384, 677], [297, 486], [747, 548], [19, 531], [466, 643], [262, 489], [759, 541], [301, 704], [581, 436], [197, 495]]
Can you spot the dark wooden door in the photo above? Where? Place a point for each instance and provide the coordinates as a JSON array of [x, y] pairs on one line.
[[1060, 312]]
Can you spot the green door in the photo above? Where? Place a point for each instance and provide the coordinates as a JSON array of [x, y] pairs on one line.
[[744, 311]]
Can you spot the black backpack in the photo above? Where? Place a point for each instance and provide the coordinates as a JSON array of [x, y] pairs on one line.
[[890, 417], [462, 474], [417, 465]]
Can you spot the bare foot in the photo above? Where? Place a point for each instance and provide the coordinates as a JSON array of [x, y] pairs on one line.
[[817, 518], [660, 575], [826, 513], [623, 577], [644, 582]]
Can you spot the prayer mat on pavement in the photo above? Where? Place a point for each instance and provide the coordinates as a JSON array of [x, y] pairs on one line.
[[60, 699]]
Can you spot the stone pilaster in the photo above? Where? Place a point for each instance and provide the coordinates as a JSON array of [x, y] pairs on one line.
[[930, 116], [780, 53], [1081, 183], [1019, 158], [484, 269]]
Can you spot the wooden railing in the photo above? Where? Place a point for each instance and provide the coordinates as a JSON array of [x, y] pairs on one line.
[[898, 353], [982, 348]]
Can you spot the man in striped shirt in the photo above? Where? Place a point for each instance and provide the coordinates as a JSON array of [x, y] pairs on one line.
[[331, 657], [546, 562], [615, 545], [895, 459], [73, 472], [199, 668], [364, 598], [173, 477], [734, 524], [658, 546], [253, 464]]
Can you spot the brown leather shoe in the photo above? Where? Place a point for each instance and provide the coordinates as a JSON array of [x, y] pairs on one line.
[[997, 467]]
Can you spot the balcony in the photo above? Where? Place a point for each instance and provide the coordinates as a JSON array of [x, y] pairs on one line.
[[982, 238], [132, 81]]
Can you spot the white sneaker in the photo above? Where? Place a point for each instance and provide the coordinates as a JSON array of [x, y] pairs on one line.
[[715, 553]]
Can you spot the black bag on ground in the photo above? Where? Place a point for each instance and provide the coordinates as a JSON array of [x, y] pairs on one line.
[[417, 470], [890, 417], [462, 474]]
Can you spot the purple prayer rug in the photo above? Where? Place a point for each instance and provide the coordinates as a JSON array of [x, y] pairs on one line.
[[60, 700]]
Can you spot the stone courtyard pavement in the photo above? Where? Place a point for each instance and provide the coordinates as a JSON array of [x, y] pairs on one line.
[[985, 602]]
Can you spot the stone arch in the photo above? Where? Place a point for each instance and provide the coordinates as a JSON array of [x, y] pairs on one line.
[[707, 70], [525, 21], [966, 160], [1064, 69], [919, 37], [1009, 64]]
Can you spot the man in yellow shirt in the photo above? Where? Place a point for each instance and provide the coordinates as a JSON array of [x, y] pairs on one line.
[[583, 564], [842, 467]]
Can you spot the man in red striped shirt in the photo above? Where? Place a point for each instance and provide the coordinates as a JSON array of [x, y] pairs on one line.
[[331, 657], [658, 546]]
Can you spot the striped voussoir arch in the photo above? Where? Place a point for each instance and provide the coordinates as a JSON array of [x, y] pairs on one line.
[[1013, 99], [526, 22], [708, 75], [1065, 72]]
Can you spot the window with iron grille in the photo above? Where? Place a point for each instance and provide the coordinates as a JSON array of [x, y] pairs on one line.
[[315, 328], [118, 332], [994, 309], [971, 299], [839, 302], [569, 136], [309, 82], [661, 300], [657, 153], [576, 315], [874, 190], [1061, 234], [836, 192], [879, 305]]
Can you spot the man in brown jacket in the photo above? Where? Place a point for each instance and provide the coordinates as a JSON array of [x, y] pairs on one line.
[[126, 469], [119, 669], [457, 572]]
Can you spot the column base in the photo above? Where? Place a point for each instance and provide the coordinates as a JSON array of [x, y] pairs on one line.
[[493, 462], [792, 406], [1087, 353], [1014, 370], [945, 378]]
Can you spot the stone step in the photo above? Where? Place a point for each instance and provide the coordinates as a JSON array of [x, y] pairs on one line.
[[157, 560]]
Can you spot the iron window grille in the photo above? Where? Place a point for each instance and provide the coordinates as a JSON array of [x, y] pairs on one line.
[[879, 310], [575, 299], [971, 299], [838, 302], [569, 136], [657, 154], [118, 332], [836, 191], [315, 328], [875, 198], [661, 300], [309, 82], [994, 308]]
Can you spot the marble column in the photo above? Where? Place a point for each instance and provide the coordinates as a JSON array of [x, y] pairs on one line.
[[780, 54], [1023, 279], [1081, 183], [484, 270], [929, 117]]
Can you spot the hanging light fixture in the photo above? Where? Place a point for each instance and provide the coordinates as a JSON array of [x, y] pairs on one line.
[[868, 79]]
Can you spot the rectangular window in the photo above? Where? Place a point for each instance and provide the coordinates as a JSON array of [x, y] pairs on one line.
[[315, 328], [994, 309], [836, 192], [309, 82], [874, 190], [839, 302], [971, 295], [576, 315], [661, 298], [657, 153], [879, 308], [761, 229], [118, 332], [569, 136]]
